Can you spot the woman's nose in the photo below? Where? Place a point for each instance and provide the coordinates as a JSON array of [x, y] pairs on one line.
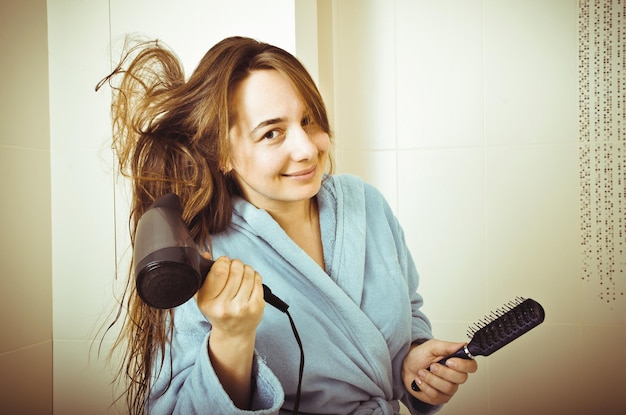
[[301, 145]]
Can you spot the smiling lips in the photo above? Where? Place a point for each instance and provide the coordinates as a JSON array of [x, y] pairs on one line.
[[303, 174]]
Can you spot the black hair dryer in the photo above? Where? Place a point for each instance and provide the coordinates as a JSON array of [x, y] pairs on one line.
[[169, 269]]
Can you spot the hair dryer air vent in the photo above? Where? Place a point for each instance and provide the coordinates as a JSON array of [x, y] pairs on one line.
[[168, 269]]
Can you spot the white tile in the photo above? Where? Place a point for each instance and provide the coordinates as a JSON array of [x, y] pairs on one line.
[[191, 34], [83, 379], [83, 242], [532, 227], [441, 209], [378, 168], [78, 39], [440, 80], [365, 87], [530, 71]]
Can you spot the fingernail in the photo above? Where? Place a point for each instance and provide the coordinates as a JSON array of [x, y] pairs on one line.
[[451, 363], [422, 373], [415, 387], [433, 368]]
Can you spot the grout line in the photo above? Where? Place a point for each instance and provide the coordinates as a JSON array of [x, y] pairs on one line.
[[30, 346], [484, 183], [395, 113]]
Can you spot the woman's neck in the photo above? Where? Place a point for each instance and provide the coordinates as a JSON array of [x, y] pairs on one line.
[[291, 216], [301, 222]]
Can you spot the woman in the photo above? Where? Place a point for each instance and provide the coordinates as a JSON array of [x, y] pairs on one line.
[[245, 144]]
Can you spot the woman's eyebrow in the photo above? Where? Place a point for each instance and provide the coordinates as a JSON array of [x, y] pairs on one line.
[[265, 123]]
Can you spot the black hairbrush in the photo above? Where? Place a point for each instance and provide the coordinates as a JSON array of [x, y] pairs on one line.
[[500, 328]]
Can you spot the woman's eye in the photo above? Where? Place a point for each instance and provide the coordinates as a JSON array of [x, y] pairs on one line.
[[306, 121], [270, 135]]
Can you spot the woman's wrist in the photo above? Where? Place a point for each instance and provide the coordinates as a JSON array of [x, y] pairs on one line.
[[232, 359]]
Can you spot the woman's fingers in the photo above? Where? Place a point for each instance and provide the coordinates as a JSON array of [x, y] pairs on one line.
[[231, 297], [236, 273]]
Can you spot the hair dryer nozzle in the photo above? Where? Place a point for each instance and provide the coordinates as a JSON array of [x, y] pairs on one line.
[[158, 289], [168, 277], [169, 270]]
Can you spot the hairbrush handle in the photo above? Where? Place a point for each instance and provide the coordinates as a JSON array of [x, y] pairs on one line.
[[463, 353]]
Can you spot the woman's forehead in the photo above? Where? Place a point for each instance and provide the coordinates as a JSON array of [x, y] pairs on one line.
[[265, 95]]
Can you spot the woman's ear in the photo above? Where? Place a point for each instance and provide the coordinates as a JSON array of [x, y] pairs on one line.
[[225, 165], [226, 168]]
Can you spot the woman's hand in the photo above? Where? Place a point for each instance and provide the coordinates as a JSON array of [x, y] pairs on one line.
[[436, 383], [231, 298]]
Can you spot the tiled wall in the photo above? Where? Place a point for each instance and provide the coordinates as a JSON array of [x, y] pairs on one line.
[[465, 114], [25, 228]]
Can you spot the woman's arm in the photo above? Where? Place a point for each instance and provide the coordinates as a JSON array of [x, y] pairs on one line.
[[210, 366], [232, 300]]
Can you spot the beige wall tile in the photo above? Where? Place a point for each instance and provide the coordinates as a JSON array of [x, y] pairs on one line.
[[603, 370], [24, 81], [26, 380], [539, 373], [25, 280]]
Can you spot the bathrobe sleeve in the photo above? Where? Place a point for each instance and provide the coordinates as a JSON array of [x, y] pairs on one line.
[[195, 387]]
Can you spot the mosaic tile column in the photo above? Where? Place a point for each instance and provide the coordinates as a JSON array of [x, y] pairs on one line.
[[602, 145]]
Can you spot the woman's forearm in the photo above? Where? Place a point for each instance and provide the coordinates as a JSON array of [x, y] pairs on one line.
[[232, 358]]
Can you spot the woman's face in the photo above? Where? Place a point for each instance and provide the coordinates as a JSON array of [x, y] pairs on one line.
[[278, 153]]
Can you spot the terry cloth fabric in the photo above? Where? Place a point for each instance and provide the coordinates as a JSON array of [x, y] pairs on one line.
[[356, 318]]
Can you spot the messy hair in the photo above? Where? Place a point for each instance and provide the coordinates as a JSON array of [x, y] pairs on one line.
[[172, 135]]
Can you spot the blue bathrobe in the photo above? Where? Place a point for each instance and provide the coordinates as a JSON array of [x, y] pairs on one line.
[[357, 318]]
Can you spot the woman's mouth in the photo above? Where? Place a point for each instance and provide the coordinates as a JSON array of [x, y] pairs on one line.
[[303, 174]]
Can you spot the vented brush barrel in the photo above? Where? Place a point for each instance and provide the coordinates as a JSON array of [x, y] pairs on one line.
[[507, 327], [502, 328]]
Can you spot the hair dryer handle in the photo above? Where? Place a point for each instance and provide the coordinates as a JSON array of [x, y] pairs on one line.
[[206, 264]]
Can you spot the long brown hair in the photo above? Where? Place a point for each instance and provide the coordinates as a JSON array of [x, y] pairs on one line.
[[172, 135]]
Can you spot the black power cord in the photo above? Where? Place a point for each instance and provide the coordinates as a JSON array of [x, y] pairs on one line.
[[296, 403]]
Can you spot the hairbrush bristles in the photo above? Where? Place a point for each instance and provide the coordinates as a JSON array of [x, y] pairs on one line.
[[493, 316], [501, 327]]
